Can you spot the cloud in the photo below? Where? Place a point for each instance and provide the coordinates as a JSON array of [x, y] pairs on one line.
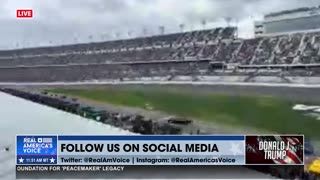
[[61, 21]]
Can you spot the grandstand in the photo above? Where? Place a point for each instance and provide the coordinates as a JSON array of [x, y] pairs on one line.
[[197, 53], [295, 20]]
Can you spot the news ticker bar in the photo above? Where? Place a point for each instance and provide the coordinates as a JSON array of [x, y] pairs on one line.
[[137, 172], [159, 150]]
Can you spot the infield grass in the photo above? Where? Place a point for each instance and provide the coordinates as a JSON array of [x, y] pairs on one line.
[[266, 113]]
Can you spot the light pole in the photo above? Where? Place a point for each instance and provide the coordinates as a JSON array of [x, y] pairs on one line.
[[145, 31], [90, 37], [181, 26], [161, 30], [228, 20], [118, 35], [129, 34], [204, 23]]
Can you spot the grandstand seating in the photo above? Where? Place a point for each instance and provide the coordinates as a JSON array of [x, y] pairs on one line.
[[83, 72], [175, 46], [217, 44], [188, 53]]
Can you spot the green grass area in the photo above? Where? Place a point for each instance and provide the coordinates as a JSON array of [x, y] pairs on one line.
[[266, 113]]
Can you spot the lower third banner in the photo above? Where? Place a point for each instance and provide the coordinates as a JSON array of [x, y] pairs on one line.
[[131, 150], [47, 155]]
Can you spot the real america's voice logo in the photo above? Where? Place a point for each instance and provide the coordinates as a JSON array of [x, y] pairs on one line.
[[36, 150]]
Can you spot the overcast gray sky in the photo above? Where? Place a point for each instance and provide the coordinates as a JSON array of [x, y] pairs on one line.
[[60, 21]]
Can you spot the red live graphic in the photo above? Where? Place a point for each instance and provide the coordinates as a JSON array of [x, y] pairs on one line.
[[24, 13]]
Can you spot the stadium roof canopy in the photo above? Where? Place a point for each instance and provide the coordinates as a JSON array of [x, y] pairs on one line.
[[303, 9]]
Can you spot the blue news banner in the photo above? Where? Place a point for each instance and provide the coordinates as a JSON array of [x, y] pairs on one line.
[[131, 150], [48, 154]]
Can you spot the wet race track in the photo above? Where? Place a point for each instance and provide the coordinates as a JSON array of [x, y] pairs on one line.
[[19, 116]]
